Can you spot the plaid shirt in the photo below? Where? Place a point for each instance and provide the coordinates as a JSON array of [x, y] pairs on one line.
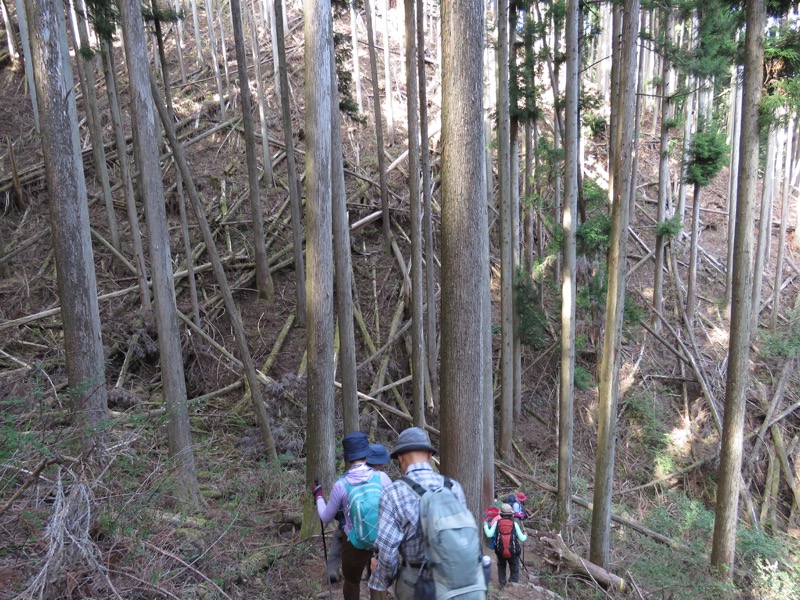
[[398, 524]]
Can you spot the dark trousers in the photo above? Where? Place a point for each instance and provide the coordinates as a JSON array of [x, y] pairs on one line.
[[354, 561], [513, 563]]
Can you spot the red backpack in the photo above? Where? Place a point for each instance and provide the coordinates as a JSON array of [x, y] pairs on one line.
[[506, 543]]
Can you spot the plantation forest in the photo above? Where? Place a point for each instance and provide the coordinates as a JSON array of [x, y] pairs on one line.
[[562, 237]]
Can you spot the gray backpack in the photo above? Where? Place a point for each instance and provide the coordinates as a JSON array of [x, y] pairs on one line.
[[452, 567]]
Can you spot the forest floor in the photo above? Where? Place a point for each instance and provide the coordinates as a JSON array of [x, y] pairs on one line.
[[245, 541]]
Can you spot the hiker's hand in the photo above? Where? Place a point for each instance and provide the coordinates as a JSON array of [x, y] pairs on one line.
[[373, 564], [316, 490]]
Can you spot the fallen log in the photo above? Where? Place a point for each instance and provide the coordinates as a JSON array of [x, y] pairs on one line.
[[580, 565]]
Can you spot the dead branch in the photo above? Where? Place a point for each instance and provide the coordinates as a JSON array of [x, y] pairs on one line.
[[33, 478], [169, 554]]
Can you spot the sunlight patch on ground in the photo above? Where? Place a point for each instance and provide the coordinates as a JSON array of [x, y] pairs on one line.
[[719, 336]]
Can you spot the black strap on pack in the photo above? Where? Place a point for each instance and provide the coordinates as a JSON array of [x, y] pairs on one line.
[[419, 490]]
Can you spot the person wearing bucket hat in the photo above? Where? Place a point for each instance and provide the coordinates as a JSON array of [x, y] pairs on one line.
[[401, 544], [413, 439], [378, 457], [357, 494]]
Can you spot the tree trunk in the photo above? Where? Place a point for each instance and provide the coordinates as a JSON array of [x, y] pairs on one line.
[[691, 287], [223, 45], [275, 15], [418, 362], [427, 213], [11, 36], [355, 55], [320, 459], [663, 173], [291, 165], [615, 299], [730, 466], [198, 46], [177, 7], [212, 44], [342, 266], [506, 248], [124, 165], [689, 111], [764, 227], [69, 220], [489, 101], [569, 223], [637, 121], [733, 184], [376, 109], [466, 322], [785, 194], [96, 126], [151, 190], [387, 74], [187, 242], [263, 277], [262, 100], [22, 21]]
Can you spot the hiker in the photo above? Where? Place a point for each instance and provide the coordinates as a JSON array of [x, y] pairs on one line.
[[412, 513], [491, 516], [508, 538], [378, 457], [357, 494], [517, 502]]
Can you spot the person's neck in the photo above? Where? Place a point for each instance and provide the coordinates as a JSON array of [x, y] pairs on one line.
[[414, 461]]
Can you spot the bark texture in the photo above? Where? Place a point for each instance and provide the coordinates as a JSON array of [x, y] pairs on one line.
[[151, 190], [615, 299], [466, 349], [69, 218], [729, 475], [568, 288], [319, 252]]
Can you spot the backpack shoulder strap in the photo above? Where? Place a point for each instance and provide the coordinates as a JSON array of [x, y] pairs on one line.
[[448, 483], [418, 489]]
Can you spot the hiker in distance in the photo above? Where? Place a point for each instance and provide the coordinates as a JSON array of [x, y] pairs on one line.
[[357, 494], [427, 541], [508, 537], [377, 459]]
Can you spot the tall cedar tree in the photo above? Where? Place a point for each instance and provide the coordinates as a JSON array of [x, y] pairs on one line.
[[319, 252], [69, 219], [730, 466], [466, 347]]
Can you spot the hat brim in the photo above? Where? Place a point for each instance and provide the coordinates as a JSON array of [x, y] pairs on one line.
[[355, 456], [419, 447]]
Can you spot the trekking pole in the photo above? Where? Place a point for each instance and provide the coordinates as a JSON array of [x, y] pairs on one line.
[[324, 549]]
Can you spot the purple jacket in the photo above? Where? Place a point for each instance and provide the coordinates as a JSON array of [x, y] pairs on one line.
[[338, 500]]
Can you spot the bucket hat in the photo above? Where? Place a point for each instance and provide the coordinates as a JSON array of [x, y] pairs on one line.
[[377, 455], [506, 510], [410, 439], [355, 446]]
